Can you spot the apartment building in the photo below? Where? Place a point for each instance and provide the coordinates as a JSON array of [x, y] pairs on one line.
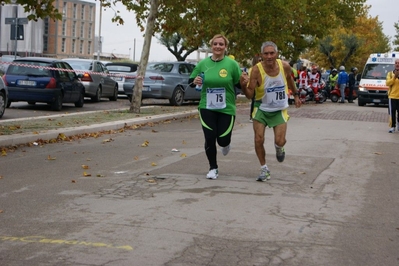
[[73, 36]]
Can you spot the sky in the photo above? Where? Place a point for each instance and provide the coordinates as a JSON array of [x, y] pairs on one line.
[[120, 39]]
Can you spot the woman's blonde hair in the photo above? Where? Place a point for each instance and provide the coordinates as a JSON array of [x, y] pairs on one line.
[[226, 41]]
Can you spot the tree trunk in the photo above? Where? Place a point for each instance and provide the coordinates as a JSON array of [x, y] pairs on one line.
[[138, 85]]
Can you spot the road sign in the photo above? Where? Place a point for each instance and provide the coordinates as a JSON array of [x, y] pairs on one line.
[[19, 21]]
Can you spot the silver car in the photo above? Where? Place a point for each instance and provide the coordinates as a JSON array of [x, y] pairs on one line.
[[122, 71], [166, 80], [96, 79]]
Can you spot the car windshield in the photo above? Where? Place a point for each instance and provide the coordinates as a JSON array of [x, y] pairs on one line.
[[80, 65], [119, 68], [160, 67], [376, 71], [23, 68]]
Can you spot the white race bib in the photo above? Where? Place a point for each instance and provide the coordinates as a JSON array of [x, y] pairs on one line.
[[215, 98]]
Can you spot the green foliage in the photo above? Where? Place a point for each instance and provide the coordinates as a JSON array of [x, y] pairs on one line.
[[396, 37], [40, 9]]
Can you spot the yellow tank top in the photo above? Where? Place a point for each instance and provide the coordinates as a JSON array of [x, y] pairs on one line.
[[273, 91]]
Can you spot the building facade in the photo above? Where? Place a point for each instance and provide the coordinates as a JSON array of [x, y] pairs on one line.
[[73, 36]]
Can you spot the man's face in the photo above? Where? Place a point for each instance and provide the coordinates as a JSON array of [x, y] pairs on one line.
[[269, 55], [397, 64]]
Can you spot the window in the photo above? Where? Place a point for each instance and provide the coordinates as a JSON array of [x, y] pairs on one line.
[[74, 29], [74, 10], [82, 13], [64, 9], [91, 13], [81, 47], [82, 30], [45, 43], [61, 73], [63, 45], [89, 48], [63, 27], [70, 73], [46, 26], [73, 46], [90, 29]]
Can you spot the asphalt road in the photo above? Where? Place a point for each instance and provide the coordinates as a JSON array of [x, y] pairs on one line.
[[127, 199]]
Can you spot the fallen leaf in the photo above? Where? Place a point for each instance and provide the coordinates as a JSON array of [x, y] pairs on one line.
[[85, 166], [151, 180], [153, 164], [136, 158], [99, 175], [88, 159], [154, 131], [50, 158], [107, 140], [3, 153], [1, 211], [86, 174], [378, 153], [61, 136], [145, 143], [1, 177], [302, 173], [183, 142], [183, 155]]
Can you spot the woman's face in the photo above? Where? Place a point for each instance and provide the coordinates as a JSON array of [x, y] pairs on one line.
[[218, 47]]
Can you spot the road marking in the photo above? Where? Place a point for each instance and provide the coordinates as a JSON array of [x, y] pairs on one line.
[[41, 239]]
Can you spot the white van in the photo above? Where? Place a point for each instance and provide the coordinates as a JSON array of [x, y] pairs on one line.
[[372, 88]]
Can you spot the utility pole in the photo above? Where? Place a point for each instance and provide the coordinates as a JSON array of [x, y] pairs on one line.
[[99, 32]]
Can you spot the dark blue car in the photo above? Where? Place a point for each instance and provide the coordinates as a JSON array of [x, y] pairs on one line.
[[48, 80]]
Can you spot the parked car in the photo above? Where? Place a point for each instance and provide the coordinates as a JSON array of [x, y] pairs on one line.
[[166, 80], [95, 78], [3, 97], [5, 61], [48, 80], [122, 72]]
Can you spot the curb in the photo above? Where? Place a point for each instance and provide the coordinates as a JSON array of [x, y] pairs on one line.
[[17, 139]]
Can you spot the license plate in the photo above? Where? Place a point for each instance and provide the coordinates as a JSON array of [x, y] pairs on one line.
[[146, 88], [376, 101], [117, 78], [27, 82]]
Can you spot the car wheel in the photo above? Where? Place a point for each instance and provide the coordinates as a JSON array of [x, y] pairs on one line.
[[115, 96], [96, 98], [334, 98], [8, 104], [177, 97], [57, 104], [2, 103], [360, 103], [31, 103], [81, 100]]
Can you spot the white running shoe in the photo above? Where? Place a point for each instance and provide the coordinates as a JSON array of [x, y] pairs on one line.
[[213, 174], [392, 130], [225, 150]]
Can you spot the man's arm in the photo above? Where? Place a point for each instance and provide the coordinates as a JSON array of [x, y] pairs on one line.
[[249, 82], [288, 76], [391, 78]]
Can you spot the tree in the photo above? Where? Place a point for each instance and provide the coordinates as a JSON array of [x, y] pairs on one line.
[[396, 40], [138, 86], [245, 23], [176, 44], [350, 46], [39, 9]]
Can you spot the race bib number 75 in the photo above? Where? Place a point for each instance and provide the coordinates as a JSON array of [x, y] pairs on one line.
[[215, 98]]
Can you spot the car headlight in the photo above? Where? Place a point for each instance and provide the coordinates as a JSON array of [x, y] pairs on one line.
[[362, 89]]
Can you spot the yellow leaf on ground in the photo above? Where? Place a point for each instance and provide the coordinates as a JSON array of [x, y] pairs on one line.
[[136, 158], [50, 158], [184, 142], [145, 143], [183, 155], [3, 153], [378, 153], [153, 164], [86, 174], [85, 166]]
